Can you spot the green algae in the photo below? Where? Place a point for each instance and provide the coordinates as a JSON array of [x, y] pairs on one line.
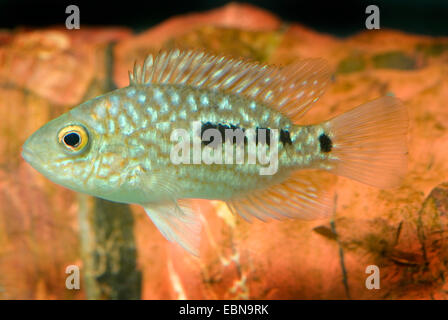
[[394, 60]]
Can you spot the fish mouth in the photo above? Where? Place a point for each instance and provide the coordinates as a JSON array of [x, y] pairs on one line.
[[29, 156]]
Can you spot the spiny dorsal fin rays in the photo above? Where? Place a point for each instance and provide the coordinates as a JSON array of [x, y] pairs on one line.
[[291, 90], [135, 76]]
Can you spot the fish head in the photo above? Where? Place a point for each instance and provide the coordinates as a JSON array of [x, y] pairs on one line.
[[65, 149]]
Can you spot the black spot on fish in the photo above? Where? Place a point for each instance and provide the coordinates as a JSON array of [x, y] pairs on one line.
[[236, 133], [325, 143], [267, 134], [285, 137], [222, 131], [208, 125], [205, 127]]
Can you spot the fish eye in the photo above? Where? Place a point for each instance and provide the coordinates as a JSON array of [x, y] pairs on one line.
[[73, 137]]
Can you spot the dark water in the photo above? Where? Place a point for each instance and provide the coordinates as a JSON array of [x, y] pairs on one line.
[[341, 18]]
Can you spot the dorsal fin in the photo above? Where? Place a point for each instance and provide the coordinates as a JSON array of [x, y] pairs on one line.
[[291, 89]]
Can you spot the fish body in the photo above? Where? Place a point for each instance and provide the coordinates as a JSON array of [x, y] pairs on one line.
[[119, 146]]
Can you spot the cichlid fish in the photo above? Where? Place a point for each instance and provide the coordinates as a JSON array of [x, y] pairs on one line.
[[119, 146]]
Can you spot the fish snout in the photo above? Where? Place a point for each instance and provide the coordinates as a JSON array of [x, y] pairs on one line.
[[28, 150], [27, 154]]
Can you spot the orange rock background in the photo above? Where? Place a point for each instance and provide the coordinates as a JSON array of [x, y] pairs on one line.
[[403, 231]]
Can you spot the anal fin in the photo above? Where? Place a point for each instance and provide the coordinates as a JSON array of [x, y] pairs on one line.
[[301, 196]]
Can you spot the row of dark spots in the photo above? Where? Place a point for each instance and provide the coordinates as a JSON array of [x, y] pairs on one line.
[[284, 138], [325, 143]]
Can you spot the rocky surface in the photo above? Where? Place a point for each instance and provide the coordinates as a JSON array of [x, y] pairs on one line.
[[403, 231]]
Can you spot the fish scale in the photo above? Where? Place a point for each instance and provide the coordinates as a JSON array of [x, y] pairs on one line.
[[208, 110], [118, 146]]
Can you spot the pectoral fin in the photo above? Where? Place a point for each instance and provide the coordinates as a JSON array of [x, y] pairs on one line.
[[177, 222]]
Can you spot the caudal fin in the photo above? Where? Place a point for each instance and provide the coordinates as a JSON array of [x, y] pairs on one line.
[[369, 143]]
